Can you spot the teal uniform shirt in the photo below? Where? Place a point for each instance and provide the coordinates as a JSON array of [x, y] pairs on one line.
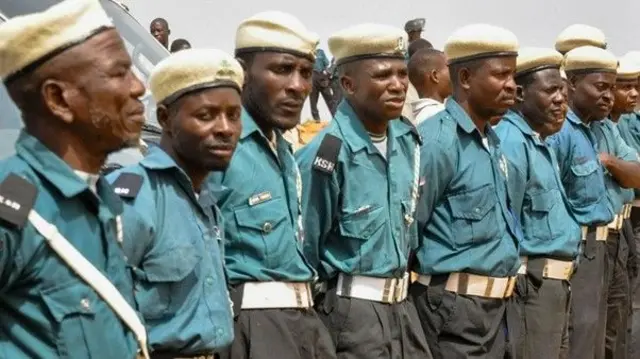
[[535, 189], [610, 141], [173, 239], [581, 172], [48, 311], [465, 223], [629, 129], [355, 215], [258, 197]]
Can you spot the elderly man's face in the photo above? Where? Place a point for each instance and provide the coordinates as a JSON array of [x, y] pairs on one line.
[[102, 93]]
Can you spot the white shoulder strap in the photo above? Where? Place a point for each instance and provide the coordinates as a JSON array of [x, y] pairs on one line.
[[92, 276]]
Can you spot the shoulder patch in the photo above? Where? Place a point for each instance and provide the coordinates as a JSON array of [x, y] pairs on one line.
[[17, 197], [414, 130], [327, 155], [127, 185]]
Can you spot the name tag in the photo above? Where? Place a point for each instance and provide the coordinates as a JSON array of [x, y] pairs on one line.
[[259, 198]]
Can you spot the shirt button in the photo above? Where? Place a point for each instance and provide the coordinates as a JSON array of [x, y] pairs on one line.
[[209, 280], [267, 227], [477, 210], [84, 303], [220, 331]]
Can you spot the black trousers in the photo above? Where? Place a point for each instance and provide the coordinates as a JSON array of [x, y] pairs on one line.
[[281, 334], [461, 327], [363, 329], [322, 86], [634, 240], [589, 302], [618, 302], [543, 308]]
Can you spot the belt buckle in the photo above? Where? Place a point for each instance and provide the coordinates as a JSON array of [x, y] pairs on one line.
[[568, 271], [511, 284], [401, 287], [388, 293]]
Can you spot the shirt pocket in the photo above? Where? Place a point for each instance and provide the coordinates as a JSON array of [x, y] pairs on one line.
[[362, 224], [474, 216], [72, 306], [363, 227], [582, 187], [538, 220], [166, 280], [264, 226]]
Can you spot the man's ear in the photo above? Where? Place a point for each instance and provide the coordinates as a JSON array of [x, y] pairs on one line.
[[162, 115], [59, 97], [348, 84], [519, 94], [464, 78], [433, 76]]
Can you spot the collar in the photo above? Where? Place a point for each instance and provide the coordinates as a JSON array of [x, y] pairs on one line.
[[249, 127], [573, 118], [49, 165], [460, 116], [355, 135], [521, 124], [158, 159]]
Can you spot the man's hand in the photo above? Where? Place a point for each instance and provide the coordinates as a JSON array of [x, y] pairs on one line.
[[606, 159]]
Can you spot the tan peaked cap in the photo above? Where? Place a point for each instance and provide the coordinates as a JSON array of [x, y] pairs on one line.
[[26, 41], [477, 41], [629, 68], [577, 35], [531, 59], [194, 69], [365, 41], [275, 31], [590, 59]]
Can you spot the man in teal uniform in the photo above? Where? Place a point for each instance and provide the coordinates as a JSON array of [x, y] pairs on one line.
[[174, 238], [260, 196], [614, 150], [629, 129], [551, 234], [467, 257], [321, 85], [591, 73], [360, 183], [59, 220]]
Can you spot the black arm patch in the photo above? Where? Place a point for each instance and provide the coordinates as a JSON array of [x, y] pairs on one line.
[[17, 197], [127, 185], [327, 155], [414, 130]]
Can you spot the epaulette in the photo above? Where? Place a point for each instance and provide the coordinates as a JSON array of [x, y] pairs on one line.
[[414, 130], [327, 155], [17, 197], [127, 185]]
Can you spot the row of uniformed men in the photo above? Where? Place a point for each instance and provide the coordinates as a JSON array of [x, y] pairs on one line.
[[346, 212]]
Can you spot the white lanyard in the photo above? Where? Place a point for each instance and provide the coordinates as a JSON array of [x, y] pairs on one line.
[[408, 218], [299, 194]]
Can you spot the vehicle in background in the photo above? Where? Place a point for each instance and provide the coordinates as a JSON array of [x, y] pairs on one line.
[[145, 52]]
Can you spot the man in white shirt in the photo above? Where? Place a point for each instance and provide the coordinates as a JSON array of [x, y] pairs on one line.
[[429, 74]]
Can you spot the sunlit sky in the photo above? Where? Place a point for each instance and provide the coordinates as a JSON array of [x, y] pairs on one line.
[[212, 23]]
